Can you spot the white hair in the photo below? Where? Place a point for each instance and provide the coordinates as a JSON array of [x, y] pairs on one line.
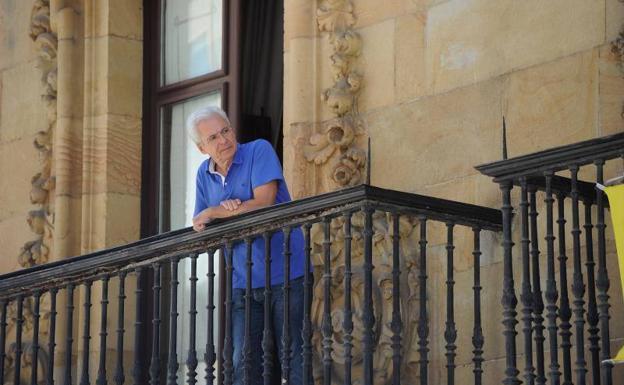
[[199, 115]]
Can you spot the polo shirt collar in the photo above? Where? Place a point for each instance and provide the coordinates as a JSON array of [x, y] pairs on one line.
[[238, 159]]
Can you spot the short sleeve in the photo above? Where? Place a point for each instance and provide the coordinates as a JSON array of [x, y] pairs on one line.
[[265, 166], [200, 197]]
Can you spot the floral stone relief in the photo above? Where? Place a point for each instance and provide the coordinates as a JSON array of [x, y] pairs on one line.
[[335, 144], [382, 297]]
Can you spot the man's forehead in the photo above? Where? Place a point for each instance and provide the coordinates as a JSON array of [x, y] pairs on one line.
[[211, 125]]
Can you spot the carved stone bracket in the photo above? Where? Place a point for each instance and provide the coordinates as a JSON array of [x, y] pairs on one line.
[[337, 137], [41, 220]]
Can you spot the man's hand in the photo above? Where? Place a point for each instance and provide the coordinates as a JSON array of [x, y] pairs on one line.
[[200, 220], [231, 204], [264, 196]]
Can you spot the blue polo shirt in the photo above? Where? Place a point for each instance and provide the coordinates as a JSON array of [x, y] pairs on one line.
[[254, 164]]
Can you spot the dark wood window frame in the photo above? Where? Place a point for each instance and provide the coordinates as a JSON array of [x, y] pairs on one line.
[[155, 96]]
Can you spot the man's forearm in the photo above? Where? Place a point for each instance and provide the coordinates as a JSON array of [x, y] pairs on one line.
[[221, 212]]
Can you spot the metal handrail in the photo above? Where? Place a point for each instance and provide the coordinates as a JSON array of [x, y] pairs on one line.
[[186, 241]]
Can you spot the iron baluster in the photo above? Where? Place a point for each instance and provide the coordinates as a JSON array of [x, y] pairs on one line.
[[210, 356], [172, 365], [101, 377], [592, 310], [52, 337], [526, 296], [423, 321], [347, 323], [35, 343], [191, 360], [228, 349], [538, 302], [396, 324], [578, 287], [368, 316], [307, 300], [69, 339], [509, 300], [86, 336], [119, 377], [267, 336], [137, 370], [154, 370], [602, 282], [565, 313], [286, 340], [19, 322], [247, 338], [477, 334], [551, 293], [326, 326], [450, 332]]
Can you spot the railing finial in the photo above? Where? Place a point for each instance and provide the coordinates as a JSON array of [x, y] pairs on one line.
[[504, 139]]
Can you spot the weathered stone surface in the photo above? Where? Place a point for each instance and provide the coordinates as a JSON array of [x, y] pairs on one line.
[[369, 12], [377, 65], [416, 138], [472, 41], [611, 96], [299, 20], [409, 40], [108, 228], [115, 76], [125, 76], [552, 104], [112, 158], [614, 14], [18, 163], [22, 110], [15, 44], [115, 17], [14, 232], [309, 73]]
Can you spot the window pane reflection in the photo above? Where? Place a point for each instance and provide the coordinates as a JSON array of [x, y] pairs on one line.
[[180, 160], [192, 39]]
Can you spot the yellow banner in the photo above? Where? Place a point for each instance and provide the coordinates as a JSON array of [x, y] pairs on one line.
[[616, 204]]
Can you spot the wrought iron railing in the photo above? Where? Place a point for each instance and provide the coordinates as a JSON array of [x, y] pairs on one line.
[[147, 279], [555, 176]]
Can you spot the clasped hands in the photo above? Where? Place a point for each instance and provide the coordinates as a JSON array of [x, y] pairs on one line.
[[206, 215]]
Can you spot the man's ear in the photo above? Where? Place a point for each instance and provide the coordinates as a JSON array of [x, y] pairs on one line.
[[200, 147]]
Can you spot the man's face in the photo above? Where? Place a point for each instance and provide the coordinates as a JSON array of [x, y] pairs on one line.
[[217, 139]]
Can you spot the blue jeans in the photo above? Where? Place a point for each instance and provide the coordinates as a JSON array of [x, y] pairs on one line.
[[296, 306]]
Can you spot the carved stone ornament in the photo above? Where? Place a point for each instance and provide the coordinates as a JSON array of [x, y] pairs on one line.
[[337, 138], [41, 220], [382, 298], [617, 47]]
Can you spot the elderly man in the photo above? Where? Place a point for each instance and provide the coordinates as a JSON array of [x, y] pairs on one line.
[[237, 178]]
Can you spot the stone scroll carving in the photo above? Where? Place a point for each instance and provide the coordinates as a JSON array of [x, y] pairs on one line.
[[41, 219], [382, 298], [335, 144]]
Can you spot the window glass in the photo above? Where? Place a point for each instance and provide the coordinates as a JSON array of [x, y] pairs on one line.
[[192, 35], [180, 160]]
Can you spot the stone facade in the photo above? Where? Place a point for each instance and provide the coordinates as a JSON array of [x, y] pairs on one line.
[[435, 80], [428, 81]]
